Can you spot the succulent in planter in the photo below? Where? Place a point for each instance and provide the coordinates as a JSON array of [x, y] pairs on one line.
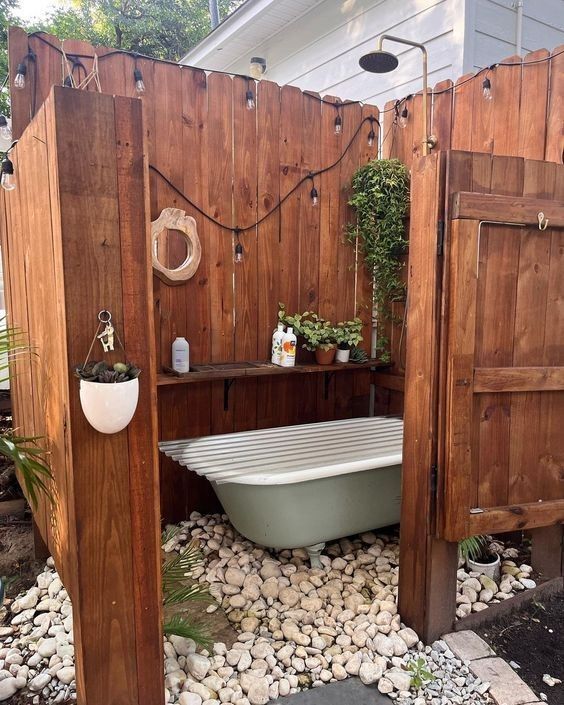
[[358, 355], [103, 373], [108, 394]]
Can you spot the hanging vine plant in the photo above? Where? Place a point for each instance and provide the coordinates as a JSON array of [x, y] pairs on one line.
[[381, 201]]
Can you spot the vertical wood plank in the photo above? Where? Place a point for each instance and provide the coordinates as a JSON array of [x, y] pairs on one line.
[[534, 101], [506, 90], [139, 340], [554, 128]]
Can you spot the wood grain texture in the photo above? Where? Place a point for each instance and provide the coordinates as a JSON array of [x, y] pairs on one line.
[[510, 209], [518, 379]]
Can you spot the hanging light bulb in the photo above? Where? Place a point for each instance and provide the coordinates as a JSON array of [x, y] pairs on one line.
[[338, 125], [238, 252], [19, 80], [257, 67], [139, 83], [487, 88], [371, 137], [8, 180], [403, 118], [249, 97], [314, 196], [5, 129], [68, 82]]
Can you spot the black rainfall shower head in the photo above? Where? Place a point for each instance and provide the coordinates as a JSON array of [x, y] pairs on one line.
[[379, 61]]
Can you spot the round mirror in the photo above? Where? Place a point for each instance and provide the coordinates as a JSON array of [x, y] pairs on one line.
[[175, 246]]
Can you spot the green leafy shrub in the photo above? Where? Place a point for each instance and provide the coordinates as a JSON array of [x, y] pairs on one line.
[[348, 333], [381, 201]]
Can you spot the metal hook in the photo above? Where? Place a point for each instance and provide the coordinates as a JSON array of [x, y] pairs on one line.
[[543, 222]]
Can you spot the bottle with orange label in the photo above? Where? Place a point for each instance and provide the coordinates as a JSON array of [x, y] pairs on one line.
[[288, 356]]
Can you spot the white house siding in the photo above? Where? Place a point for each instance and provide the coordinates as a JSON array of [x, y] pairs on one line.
[[316, 44], [495, 24]]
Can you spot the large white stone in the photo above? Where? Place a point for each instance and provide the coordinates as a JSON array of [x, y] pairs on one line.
[[197, 666], [8, 687], [370, 672]]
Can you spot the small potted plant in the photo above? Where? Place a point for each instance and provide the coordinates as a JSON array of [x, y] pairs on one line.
[[319, 336], [347, 335], [479, 558], [108, 394]]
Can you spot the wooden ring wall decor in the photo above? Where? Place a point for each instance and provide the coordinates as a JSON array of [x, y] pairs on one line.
[[176, 219]]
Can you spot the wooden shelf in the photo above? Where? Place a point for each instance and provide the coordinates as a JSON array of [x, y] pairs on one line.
[[234, 370]]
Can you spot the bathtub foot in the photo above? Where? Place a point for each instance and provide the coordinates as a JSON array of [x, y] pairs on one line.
[[314, 552]]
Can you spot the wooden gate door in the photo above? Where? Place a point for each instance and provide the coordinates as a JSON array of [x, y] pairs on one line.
[[484, 410], [503, 332]]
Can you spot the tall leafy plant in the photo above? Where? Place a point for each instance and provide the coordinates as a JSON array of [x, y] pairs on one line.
[[24, 452], [381, 201]]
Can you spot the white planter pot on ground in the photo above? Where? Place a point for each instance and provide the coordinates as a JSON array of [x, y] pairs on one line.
[[109, 407], [342, 355], [492, 570]]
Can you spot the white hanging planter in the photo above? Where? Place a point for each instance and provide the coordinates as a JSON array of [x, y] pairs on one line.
[[492, 570], [342, 355], [109, 407]]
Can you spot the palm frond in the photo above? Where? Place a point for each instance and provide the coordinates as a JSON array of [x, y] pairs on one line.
[[187, 593], [180, 565], [180, 626], [472, 547], [168, 533], [26, 456]]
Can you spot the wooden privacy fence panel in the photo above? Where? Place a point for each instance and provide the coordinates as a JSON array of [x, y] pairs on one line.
[[236, 164], [75, 241], [523, 119]]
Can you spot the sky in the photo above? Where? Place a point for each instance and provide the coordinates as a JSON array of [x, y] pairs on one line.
[[31, 9]]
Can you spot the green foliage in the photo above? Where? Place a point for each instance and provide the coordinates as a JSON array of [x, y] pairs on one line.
[[383, 349], [348, 333], [473, 548], [24, 452], [102, 372], [381, 200], [316, 331], [179, 588], [419, 674], [165, 29]]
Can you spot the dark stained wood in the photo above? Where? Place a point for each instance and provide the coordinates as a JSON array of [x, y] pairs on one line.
[[235, 370], [427, 565], [509, 209], [523, 516], [518, 379], [547, 550]]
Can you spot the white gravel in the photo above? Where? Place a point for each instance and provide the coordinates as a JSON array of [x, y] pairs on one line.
[[297, 627]]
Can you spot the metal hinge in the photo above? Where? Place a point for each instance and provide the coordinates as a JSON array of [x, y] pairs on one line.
[[434, 479], [440, 237]]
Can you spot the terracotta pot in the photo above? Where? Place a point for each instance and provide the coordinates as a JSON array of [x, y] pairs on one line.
[[325, 357], [109, 407]]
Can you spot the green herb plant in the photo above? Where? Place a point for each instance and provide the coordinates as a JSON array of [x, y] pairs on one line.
[[419, 673], [348, 334], [316, 331]]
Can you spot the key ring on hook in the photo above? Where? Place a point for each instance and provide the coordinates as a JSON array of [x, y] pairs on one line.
[[101, 317]]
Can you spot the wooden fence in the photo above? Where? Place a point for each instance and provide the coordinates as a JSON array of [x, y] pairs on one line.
[[523, 119], [236, 164]]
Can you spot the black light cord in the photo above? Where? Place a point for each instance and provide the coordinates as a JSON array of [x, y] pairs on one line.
[[336, 105], [308, 176]]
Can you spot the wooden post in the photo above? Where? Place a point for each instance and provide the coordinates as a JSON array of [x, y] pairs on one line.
[[427, 577], [77, 242], [547, 550]]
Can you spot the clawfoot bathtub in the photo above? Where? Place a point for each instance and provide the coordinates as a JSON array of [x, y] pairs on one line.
[[299, 486]]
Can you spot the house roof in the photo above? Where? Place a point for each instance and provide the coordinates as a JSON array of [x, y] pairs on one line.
[[248, 26]]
